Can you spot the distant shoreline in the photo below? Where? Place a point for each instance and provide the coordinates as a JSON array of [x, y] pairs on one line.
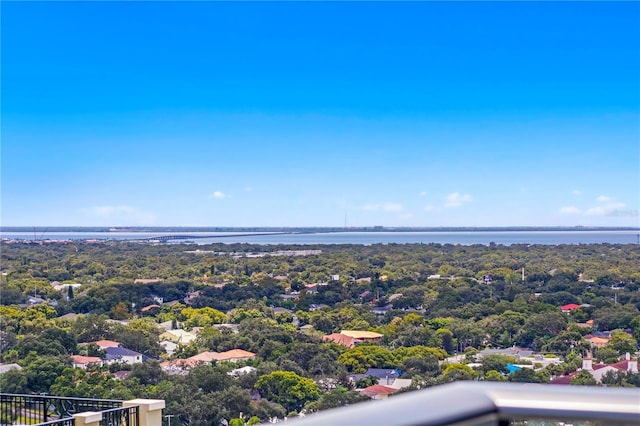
[[310, 229]]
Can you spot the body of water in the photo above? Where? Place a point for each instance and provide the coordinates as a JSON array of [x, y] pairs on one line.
[[364, 238]]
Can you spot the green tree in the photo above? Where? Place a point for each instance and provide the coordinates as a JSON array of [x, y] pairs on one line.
[[623, 342], [583, 378], [360, 358], [494, 376], [41, 372], [338, 397], [497, 363], [14, 381], [454, 372], [527, 375], [288, 389]]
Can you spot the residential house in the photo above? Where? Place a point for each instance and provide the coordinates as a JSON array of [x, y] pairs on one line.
[[291, 296], [598, 371], [121, 375], [221, 327], [394, 296], [598, 342], [166, 326], [68, 317], [570, 307], [242, 371], [340, 339], [313, 307], [150, 308], [191, 296], [34, 300], [169, 347], [382, 310], [362, 336], [84, 362], [235, 355], [514, 351], [178, 336], [178, 366], [598, 339], [378, 391], [104, 344], [385, 376], [147, 280], [6, 367], [122, 355]]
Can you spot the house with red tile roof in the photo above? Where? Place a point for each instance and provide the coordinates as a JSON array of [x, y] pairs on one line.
[[150, 307], [104, 344], [340, 339], [84, 362], [570, 307], [378, 391], [233, 355], [598, 371]]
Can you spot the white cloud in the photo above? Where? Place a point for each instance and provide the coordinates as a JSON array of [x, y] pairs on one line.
[[248, 189], [569, 210], [371, 207], [423, 194], [387, 207], [605, 210], [406, 216], [431, 208], [603, 199], [125, 215], [455, 199], [219, 195], [576, 192], [392, 207]]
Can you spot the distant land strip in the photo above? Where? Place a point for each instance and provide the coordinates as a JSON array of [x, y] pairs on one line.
[[310, 229]]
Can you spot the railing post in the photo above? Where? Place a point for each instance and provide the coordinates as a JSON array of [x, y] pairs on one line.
[[149, 411], [89, 418]]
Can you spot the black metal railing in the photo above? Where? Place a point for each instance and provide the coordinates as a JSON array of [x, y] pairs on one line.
[[43, 409], [69, 421], [124, 416]]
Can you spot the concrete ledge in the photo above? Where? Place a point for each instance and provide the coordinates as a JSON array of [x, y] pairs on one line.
[[88, 418], [150, 404]]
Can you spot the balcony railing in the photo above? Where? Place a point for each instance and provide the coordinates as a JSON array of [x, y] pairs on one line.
[[45, 410], [125, 416], [484, 404], [34, 409]]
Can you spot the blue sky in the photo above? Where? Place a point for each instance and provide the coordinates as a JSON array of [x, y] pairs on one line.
[[297, 114]]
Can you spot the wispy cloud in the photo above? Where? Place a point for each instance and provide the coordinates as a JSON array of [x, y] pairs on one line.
[[604, 210], [423, 194], [569, 210], [122, 214], [455, 199], [219, 195], [431, 208], [606, 206], [247, 189], [576, 192], [386, 207]]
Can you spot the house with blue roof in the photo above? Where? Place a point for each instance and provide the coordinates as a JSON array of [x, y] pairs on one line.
[[118, 354]]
